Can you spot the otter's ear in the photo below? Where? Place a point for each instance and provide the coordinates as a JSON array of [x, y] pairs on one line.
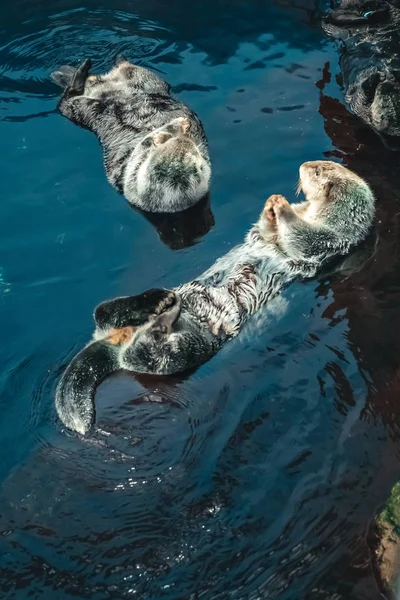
[[185, 126], [164, 322], [160, 138]]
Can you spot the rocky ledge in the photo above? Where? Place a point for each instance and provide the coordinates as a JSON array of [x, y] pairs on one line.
[[385, 546]]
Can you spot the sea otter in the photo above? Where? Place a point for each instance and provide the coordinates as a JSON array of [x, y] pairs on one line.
[[155, 148], [369, 34], [169, 331]]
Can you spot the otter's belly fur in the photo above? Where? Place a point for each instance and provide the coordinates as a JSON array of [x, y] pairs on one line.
[[242, 282]]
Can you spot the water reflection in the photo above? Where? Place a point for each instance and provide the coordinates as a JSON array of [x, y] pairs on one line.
[[183, 229]]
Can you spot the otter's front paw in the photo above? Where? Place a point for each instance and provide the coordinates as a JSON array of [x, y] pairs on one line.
[[275, 205]]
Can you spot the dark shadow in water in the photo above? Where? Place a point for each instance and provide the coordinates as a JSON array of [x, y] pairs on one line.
[[24, 118], [185, 228]]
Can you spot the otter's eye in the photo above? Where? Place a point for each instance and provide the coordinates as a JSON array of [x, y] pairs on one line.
[[317, 172]]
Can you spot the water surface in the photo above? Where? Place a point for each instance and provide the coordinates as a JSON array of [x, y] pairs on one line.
[[258, 476]]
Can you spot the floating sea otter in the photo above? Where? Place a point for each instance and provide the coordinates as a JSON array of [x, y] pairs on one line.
[[155, 149], [370, 61], [170, 331]]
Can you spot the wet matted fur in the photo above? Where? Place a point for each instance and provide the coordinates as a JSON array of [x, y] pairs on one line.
[[170, 331], [155, 148], [369, 35]]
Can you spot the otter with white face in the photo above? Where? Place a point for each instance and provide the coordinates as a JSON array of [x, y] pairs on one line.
[[155, 148], [169, 331], [369, 32]]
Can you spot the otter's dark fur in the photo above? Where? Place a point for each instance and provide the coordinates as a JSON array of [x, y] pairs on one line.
[[369, 34], [155, 148], [164, 332]]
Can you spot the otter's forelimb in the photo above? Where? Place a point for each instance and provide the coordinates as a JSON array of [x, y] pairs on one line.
[[304, 241], [300, 239]]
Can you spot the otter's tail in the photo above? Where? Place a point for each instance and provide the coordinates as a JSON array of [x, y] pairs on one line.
[[77, 386], [63, 76]]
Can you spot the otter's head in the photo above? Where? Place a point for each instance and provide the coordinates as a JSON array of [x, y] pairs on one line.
[[169, 342], [343, 200], [316, 180], [323, 181], [382, 91], [375, 98], [176, 173]]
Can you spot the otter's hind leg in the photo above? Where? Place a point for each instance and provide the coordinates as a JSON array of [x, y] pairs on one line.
[[84, 111], [81, 74], [77, 107]]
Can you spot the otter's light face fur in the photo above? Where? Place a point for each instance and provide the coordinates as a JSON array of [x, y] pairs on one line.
[[174, 175], [315, 180]]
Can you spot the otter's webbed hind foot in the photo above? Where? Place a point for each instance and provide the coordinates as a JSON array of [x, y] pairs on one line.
[[77, 86], [63, 76]]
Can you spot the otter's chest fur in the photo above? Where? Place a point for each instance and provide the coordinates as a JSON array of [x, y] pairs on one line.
[[240, 283]]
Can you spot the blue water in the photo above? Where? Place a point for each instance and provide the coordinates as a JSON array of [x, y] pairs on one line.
[[258, 476]]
